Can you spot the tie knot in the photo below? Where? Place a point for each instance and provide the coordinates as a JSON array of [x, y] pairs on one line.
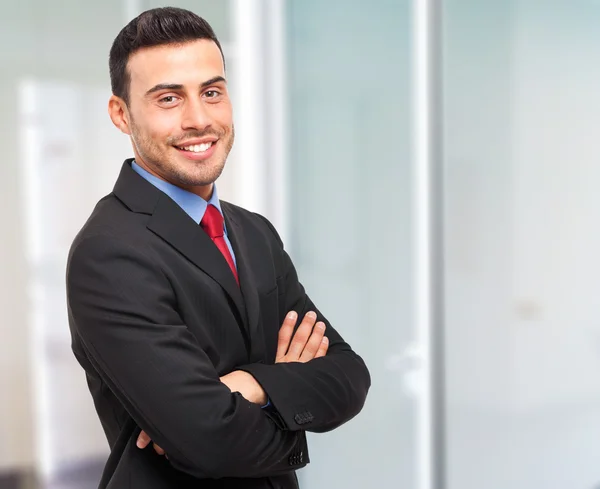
[[212, 222]]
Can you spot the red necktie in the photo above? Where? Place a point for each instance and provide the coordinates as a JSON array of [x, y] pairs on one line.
[[212, 223]]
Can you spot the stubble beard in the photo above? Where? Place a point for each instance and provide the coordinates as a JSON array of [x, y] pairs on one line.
[[169, 167]]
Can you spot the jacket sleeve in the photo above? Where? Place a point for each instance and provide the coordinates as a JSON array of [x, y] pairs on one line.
[[123, 309], [321, 394]]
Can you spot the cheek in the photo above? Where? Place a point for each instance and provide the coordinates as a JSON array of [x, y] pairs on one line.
[[161, 126], [223, 115]]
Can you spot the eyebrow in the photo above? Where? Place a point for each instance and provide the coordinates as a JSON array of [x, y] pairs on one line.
[[177, 86]]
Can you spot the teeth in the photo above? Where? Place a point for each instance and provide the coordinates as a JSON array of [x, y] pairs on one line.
[[198, 148]]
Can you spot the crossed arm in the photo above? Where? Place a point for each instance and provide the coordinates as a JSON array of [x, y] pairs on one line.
[[308, 342], [122, 309]]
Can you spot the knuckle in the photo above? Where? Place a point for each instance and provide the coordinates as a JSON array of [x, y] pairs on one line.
[[299, 340]]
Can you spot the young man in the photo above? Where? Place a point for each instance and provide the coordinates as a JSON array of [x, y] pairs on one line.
[[206, 359]]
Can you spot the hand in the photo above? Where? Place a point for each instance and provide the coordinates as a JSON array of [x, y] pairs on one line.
[[143, 441], [246, 385], [308, 343]]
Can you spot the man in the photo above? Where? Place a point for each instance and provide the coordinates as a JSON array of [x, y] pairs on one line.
[[206, 359]]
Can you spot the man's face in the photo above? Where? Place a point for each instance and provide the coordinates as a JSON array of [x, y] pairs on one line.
[[179, 115]]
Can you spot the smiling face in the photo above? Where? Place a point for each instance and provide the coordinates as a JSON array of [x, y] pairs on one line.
[[179, 115]]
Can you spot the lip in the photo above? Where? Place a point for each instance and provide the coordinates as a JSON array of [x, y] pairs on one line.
[[193, 142], [190, 155]]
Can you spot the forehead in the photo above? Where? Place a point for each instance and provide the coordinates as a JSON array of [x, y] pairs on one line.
[[189, 63]]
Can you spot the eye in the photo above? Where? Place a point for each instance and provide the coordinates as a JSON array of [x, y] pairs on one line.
[[169, 99], [212, 93]]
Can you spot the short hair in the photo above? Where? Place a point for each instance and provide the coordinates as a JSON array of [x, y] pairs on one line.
[[155, 27]]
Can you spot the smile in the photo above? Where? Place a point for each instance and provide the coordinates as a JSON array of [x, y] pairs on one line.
[[196, 148]]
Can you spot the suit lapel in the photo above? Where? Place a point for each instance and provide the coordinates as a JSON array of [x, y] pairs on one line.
[[172, 224], [247, 282]]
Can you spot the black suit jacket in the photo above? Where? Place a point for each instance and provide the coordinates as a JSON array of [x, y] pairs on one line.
[[156, 317]]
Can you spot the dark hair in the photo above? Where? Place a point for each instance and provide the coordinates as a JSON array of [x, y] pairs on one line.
[[155, 27]]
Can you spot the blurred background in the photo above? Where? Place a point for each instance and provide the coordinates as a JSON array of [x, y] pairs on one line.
[[327, 102]]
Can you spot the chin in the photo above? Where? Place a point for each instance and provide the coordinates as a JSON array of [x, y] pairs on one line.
[[194, 179]]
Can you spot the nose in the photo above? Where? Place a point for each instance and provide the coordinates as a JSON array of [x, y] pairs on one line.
[[195, 116]]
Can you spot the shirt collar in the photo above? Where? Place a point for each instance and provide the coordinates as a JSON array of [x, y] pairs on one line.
[[193, 205]]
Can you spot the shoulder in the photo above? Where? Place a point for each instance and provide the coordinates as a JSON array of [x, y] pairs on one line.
[[111, 226]]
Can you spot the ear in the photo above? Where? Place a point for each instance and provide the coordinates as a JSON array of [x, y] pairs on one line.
[[119, 114]]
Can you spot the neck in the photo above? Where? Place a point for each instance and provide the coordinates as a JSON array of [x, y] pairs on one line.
[[203, 191]]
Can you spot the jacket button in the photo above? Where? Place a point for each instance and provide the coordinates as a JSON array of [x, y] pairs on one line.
[[303, 418]]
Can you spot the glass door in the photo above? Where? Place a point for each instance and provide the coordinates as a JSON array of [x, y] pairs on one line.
[[522, 268], [351, 223]]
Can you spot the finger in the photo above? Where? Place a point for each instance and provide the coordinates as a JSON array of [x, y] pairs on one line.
[[313, 343], [143, 440], [301, 337], [158, 450], [285, 335], [322, 351]]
